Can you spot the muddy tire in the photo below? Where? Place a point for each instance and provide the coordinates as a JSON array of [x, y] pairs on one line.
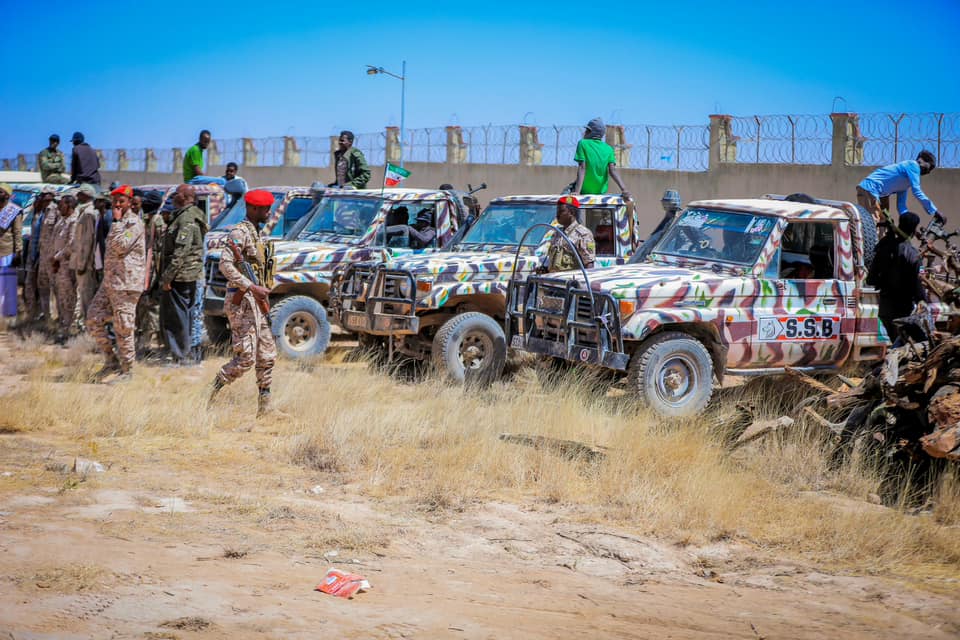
[[300, 327], [672, 374], [470, 348]]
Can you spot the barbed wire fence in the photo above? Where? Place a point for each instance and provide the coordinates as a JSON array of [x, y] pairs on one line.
[[772, 139]]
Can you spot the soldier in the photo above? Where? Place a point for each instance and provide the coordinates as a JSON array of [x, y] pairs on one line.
[[11, 251], [43, 208], [247, 302], [148, 308], [87, 258], [52, 164], [560, 256], [46, 279], [123, 277], [66, 277], [180, 269]]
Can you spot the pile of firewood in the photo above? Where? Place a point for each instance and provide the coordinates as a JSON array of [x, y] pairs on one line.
[[909, 407]]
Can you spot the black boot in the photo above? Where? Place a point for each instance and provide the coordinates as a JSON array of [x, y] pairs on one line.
[[263, 402], [215, 388]]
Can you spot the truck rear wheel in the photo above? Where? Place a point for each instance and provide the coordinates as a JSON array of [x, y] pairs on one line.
[[672, 374], [218, 330], [470, 347], [300, 327]]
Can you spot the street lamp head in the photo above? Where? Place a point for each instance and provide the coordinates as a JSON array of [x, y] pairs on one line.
[[372, 71]]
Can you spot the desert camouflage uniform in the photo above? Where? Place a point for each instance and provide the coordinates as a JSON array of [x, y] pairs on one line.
[[46, 279], [561, 258], [83, 260], [148, 308], [249, 327], [37, 286], [66, 278], [116, 300]]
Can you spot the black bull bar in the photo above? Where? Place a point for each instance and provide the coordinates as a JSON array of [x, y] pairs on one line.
[[370, 298], [563, 318]]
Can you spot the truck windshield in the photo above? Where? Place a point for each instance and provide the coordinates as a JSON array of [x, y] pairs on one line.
[[721, 236], [337, 216], [239, 211], [507, 222]]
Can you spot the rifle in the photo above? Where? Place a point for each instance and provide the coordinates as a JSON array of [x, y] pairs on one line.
[[247, 271]]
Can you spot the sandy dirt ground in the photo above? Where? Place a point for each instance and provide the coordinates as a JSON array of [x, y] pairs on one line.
[[175, 540]]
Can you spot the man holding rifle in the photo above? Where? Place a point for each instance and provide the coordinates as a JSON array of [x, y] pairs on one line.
[[244, 265]]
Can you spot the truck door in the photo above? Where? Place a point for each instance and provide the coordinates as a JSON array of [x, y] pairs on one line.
[[805, 308], [602, 222]]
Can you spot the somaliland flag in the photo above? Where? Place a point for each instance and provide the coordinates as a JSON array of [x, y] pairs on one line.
[[394, 175]]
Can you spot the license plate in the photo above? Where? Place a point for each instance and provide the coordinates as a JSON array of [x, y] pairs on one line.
[[356, 322], [516, 341]]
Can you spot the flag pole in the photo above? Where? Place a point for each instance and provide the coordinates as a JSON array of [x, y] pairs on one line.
[[383, 184]]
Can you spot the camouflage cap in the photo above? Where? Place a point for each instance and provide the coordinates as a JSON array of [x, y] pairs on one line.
[[103, 195], [48, 188], [86, 189]]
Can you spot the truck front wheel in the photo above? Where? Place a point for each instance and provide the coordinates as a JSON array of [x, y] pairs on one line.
[[672, 374], [470, 347], [300, 327]]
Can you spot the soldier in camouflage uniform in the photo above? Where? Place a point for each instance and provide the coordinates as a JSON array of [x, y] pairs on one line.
[[84, 259], [43, 209], [52, 164], [249, 326], [46, 279], [559, 256], [148, 308], [123, 278], [66, 278]]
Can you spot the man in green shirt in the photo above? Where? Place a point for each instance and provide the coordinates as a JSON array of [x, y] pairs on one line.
[[596, 162], [52, 164], [193, 160]]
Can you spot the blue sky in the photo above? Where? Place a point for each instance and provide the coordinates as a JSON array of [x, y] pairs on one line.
[[153, 73]]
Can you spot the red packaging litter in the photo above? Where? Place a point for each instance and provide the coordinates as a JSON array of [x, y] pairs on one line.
[[341, 584]]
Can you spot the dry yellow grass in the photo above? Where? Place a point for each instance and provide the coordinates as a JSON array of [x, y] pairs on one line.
[[437, 447]]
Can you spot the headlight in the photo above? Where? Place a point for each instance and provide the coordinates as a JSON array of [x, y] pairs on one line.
[[424, 286]]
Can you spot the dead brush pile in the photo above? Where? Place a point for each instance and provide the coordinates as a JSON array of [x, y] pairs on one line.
[[438, 448]]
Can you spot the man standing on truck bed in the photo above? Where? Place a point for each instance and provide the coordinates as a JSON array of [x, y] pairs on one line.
[[895, 272], [247, 301], [349, 164], [596, 162], [896, 179], [560, 257], [193, 158]]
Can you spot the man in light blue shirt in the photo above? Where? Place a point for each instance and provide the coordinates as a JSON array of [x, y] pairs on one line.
[[874, 191]]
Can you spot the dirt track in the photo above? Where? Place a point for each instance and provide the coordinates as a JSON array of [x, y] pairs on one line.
[[140, 551]]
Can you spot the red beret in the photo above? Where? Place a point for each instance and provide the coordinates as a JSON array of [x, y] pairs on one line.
[[123, 190], [259, 198], [569, 200]]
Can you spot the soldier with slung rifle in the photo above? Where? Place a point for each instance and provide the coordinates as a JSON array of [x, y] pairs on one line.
[[244, 264]]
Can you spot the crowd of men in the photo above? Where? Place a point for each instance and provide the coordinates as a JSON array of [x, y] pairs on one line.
[[132, 276], [111, 258]]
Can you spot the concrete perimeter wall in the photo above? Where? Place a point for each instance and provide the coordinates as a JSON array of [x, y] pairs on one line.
[[723, 180]]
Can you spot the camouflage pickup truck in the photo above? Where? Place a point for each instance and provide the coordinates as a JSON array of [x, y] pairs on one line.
[[744, 287], [450, 306], [344, 227], [289, 205]]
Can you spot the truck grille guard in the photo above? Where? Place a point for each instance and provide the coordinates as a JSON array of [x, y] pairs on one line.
[[372, 289], [564, 318]]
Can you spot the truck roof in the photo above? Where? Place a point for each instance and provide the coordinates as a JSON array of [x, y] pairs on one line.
[[585, 200], [779, 208], [395, 193]]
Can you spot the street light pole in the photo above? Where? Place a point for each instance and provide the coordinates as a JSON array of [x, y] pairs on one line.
[[403, 105], [372, 71]]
